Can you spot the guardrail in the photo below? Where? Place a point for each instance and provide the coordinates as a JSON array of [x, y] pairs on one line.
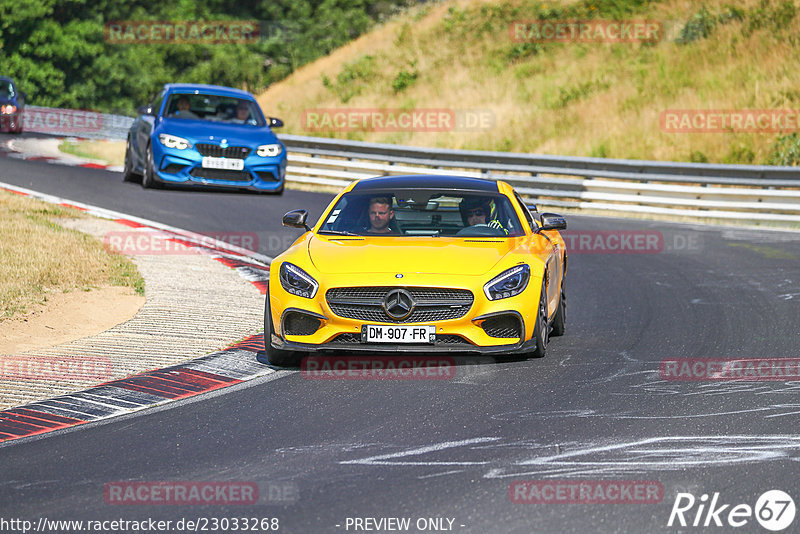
[[697, 190], [757, 192]]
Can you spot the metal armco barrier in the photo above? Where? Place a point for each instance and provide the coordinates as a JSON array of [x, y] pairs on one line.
[[701, 190], [698, 190]]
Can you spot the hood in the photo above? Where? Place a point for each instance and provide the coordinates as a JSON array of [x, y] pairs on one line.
[[408, 255], [198, 131]]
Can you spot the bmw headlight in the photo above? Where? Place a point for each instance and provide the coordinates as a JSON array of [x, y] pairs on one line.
[[509, 283], [269, 151], [297, 282], [172, 141]]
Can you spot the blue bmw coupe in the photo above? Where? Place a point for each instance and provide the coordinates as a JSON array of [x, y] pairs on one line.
[[205, 135]]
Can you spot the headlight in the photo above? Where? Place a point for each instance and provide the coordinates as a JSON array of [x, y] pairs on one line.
[[509, 283], [269, 151], [171, 141], [8, 109], [297, 282]]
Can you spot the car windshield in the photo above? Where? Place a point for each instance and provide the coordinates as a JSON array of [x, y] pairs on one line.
[[423, 213], [6, 90], [213, 108]]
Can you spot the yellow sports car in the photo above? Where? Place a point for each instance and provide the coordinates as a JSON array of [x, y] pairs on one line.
[[419, 263]]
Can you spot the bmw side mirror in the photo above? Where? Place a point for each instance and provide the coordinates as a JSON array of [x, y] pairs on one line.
[[144, 110], [553, 221], [296, 219], [275, 122]]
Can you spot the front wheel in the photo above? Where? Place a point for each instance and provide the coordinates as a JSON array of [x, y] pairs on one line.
[[541, 328], [560, 318], [147, 178], [281, 358], [127, 173]]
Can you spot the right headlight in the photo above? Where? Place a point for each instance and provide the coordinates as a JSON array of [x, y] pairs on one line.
[[269, 151], [297, 282], [509, 283]]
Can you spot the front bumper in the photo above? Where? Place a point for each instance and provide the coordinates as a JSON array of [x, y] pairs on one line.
[[184, 167], [463, 334], [11, 122]]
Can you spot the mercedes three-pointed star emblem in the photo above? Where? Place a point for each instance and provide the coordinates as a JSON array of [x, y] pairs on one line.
[[398, 304]]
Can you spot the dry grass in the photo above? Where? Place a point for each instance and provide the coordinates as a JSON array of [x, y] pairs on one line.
[[582, 99], [37, 256]]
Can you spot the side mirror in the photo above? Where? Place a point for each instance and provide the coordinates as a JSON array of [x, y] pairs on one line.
[[144, 110], [296, 219], [275, 122], [553, 221]]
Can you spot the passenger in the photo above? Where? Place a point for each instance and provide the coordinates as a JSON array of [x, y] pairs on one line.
[[480, 211]]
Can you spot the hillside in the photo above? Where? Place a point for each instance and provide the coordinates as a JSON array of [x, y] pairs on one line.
[[572, 98]]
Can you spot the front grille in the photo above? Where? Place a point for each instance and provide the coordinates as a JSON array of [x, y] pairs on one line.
[[431, 304], [221, 174], [216, 151], [441, 339], [300, 324], [503, 326]]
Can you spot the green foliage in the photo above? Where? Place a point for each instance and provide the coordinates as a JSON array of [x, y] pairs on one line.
[[57, 51], [785, 150], [568, 95], [353, 78], [740, 154], [405, 79], [695, 156], [770, 16], [703, 23]]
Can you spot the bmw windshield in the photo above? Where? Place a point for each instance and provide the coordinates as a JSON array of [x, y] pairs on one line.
[[423, 213], [213, 108]]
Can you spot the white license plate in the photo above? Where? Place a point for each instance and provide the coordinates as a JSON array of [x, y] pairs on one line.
[[380, 333], [229, 164]]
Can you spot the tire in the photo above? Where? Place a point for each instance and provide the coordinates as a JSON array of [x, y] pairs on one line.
[[281, 358], [559, 323], [541, 330], [148, 180], [127, 173]]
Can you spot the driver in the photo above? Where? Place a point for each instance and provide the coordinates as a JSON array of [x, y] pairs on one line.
[[381, 215], [480, 211]]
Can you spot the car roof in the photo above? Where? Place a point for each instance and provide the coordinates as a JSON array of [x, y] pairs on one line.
[[207, 89], [6, 79], [425, 181]]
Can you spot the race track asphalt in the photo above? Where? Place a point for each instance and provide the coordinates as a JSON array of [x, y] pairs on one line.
[[595, 408]]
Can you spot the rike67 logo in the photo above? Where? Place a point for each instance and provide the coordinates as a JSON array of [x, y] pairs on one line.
[[774, 510]]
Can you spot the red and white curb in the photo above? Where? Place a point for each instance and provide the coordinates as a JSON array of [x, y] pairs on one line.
[[233, 365]]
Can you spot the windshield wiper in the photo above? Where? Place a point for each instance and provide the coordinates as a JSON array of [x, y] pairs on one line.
[[335, 232]]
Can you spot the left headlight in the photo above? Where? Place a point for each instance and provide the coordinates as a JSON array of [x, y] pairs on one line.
[[269, 151], [297, 282], [509, 283], [8, 109], [172, 141]]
